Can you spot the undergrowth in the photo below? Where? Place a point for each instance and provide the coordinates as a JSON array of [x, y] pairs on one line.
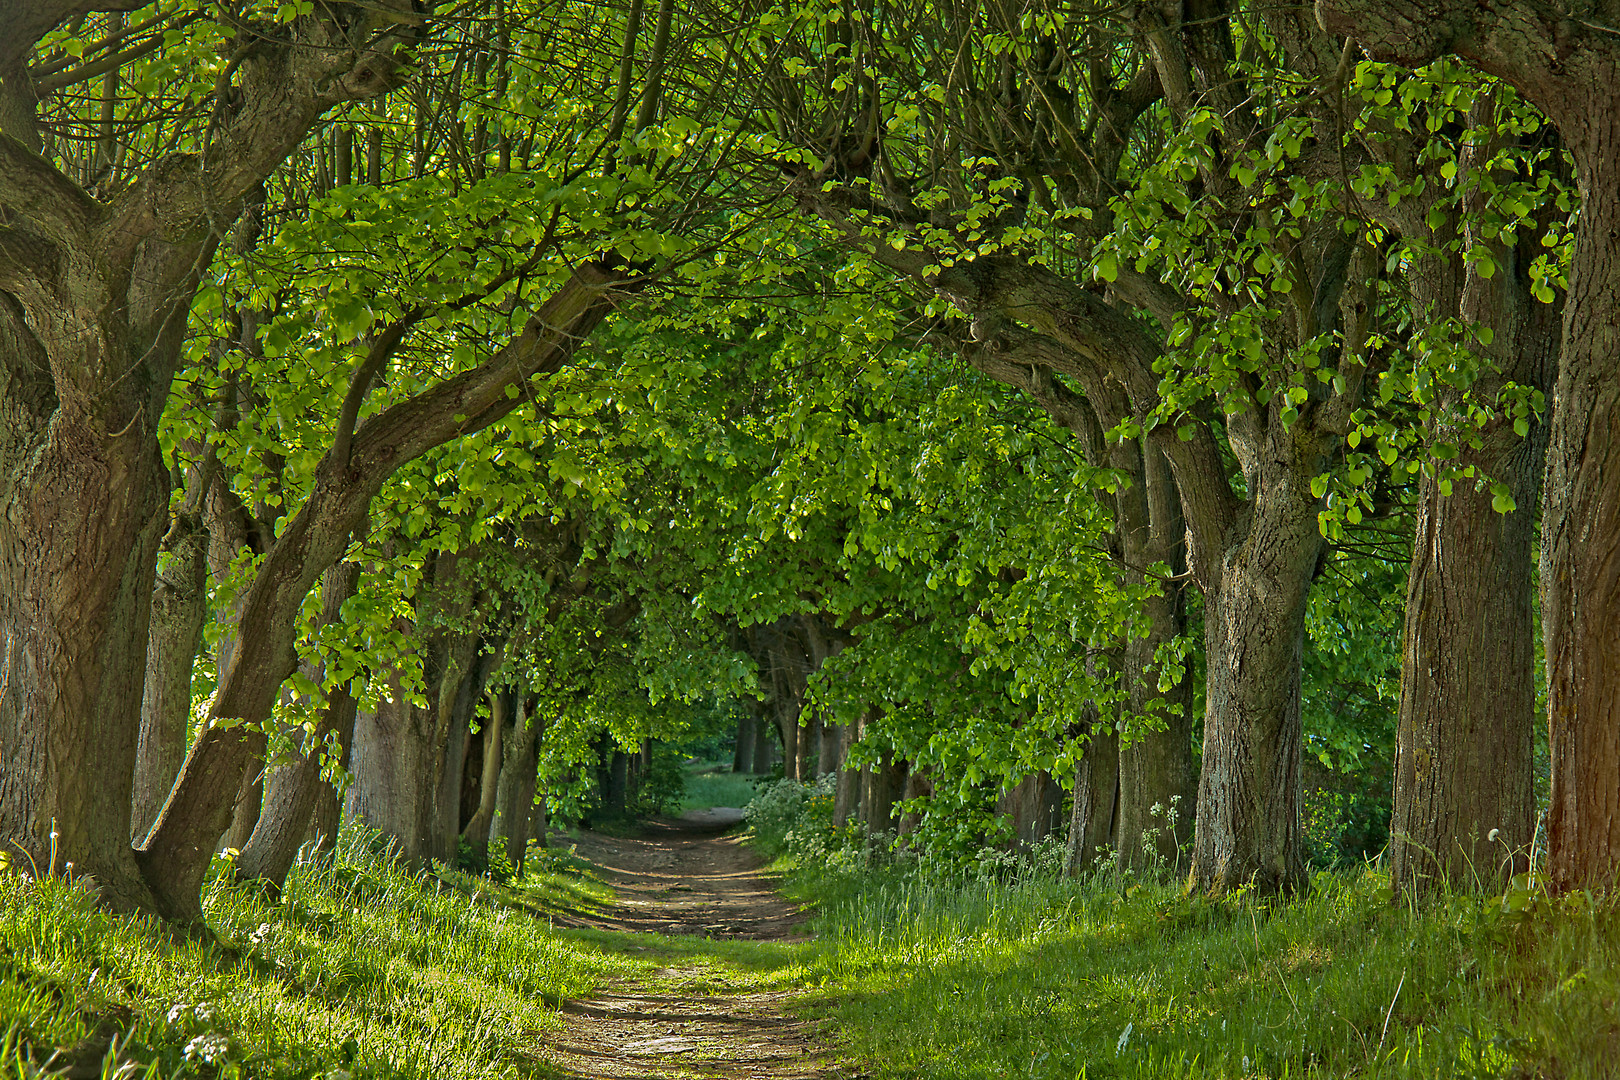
[[1008, 969], [362, 969]]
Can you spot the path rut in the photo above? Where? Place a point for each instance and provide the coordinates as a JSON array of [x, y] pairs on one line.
[[682, 877]]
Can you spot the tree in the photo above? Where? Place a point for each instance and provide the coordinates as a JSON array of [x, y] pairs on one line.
[[1567, 67], [94, 294]]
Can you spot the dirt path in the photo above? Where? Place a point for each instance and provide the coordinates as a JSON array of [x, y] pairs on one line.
[[684, 877]]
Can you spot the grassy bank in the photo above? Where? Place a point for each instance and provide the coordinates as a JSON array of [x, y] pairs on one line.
[[1002, 970], [360, 970]]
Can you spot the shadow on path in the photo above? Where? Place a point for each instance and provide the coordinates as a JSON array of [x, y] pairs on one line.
[[683, 877]]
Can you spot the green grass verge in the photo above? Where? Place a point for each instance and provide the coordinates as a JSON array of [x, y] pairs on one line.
[[706, 788], [361, 970], [1064, 979]]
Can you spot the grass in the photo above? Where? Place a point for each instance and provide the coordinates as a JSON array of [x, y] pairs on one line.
[[361, 970], [708, 786], [1062, 979], [366, 971]]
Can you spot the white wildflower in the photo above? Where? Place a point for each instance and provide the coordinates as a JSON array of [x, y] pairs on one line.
[[208, 1049]]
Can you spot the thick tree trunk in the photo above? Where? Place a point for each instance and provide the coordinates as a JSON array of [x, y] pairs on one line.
[[514, 795], [292, 791], [83, 503], [1570, 69], [1465, 742], [1095, 808], [1580, 569], [393, 785], [1248, 826]]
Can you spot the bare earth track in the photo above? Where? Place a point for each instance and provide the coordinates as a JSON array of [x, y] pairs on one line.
[[681, 877]]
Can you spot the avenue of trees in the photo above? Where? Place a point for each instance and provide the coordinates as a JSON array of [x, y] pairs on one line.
[[1181, 428]]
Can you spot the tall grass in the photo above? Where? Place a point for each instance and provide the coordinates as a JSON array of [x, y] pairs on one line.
[[362, 969], [1103, 977]]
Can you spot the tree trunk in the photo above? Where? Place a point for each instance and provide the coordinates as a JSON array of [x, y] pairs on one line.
[[245, 814], [918, 786], [179, 609], [809, 749], [83, 504], [514, 795], [292, 791], [477, 832], [1157, 777], [1465, 742], [1034, 806], [1094, 813], [393, 785], [847, 796], [742, 758], [886, 781], [764, 745], [832, 748], [1248, 827]]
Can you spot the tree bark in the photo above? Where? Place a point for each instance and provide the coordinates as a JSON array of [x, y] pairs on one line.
[[1465, 741], [885, 783], [393, 786], [1570, 69], [1158, 779], [514, 797], [1095, 809], [179, 610], [847, 795], [292, 791], [477, 832], [1034, 806]]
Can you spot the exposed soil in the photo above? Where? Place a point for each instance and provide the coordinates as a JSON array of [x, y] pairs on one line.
[[681, 876]]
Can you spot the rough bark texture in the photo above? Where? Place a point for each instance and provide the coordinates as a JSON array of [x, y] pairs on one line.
[[1465, 743], [393, 786], [1094, 811], [1569, 68], [885, 786], [93, 302]]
